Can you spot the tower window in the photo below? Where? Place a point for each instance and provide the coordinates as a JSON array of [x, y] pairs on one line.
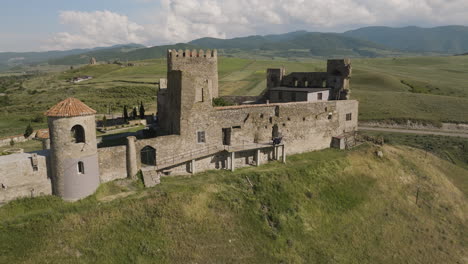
[[349, 116], [81, 168], [78, 134], [201, 137]]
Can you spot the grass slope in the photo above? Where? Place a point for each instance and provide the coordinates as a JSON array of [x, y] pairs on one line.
[[322, 207]]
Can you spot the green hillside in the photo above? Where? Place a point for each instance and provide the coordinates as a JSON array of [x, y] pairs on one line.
[[447, 39], [120, 54], [298, 44], [322, 207], [12, 59]]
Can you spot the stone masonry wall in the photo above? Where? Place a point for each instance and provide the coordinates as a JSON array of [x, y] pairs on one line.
[[18, 177], [112, 163]]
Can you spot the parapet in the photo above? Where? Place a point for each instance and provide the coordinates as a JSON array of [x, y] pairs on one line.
[[192, 53]]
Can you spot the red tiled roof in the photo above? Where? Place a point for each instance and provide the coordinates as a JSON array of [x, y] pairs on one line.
[[42, 134], [70, 107]]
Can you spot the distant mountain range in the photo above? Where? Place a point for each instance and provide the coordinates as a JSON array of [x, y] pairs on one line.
[[363, 42], [444, 40]]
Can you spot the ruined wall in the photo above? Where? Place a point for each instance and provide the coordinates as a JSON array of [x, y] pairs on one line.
[[305, 79], [304, 126], [112, 163], [21, 177]]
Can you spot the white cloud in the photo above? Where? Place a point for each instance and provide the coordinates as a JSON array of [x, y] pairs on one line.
[[184, 20], [92, 29]]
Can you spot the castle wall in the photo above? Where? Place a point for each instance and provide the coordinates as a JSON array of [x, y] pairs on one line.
[[112, 163], [18, 178], [305, 79], [304, 126]]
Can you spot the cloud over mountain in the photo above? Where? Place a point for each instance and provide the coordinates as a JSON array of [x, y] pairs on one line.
[[183, 20]]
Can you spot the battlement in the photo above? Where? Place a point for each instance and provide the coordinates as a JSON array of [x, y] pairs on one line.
[[192, 53]]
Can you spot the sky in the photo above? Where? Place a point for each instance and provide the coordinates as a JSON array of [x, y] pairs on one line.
[[39, 25]]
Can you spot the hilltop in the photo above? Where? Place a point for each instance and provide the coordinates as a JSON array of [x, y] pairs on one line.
[[321, 207]]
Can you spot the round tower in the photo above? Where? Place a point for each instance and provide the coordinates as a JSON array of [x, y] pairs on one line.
[[74, 158]]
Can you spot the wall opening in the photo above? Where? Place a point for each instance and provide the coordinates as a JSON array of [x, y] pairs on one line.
[[319, 96], [349, 116], [227, 136], [275, 131], [81, 168], [78, 134], [201, 137], [148, 156]]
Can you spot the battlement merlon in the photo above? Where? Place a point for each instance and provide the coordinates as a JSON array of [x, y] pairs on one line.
[[192, 53]]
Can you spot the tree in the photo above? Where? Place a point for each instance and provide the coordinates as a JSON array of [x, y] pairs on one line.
[[29, 130], [12, 142], [134, 113], [142, 110], [125, 113]]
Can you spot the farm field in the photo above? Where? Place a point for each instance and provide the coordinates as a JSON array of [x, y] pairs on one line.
[[432, 89]]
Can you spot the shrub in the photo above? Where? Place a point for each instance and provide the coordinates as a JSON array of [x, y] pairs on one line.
[[29, 130]]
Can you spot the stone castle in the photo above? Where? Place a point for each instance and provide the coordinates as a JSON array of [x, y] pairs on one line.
[[299, 111]]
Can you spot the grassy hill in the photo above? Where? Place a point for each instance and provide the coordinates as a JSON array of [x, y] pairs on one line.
[[298, 44], [322, 207], [421, 88], [122, 54], [18, 59], [447, 39]]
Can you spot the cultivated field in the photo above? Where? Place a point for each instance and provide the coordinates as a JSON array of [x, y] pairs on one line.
[[433, 89]]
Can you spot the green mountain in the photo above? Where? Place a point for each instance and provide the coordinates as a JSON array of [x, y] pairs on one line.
[[122, 53], [294, 44], [447, 39], [302, 43], [11, 59]]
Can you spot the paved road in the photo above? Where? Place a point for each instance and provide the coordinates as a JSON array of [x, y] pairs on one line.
[[414, 131]]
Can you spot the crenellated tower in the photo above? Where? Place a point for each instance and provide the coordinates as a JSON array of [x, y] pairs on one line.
[[192, 83]]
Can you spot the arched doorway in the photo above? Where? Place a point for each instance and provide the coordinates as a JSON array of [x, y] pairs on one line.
[[148, 156]]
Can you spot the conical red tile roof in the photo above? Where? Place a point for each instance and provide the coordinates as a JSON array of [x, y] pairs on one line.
[[70, 107]]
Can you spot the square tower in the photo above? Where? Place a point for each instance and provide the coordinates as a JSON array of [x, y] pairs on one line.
[[192, 83]]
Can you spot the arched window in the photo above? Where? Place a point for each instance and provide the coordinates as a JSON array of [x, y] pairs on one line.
[[148, 156], [78, 134], [81, 169]]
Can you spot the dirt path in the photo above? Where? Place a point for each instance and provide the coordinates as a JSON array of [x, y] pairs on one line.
[[414, 131]]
